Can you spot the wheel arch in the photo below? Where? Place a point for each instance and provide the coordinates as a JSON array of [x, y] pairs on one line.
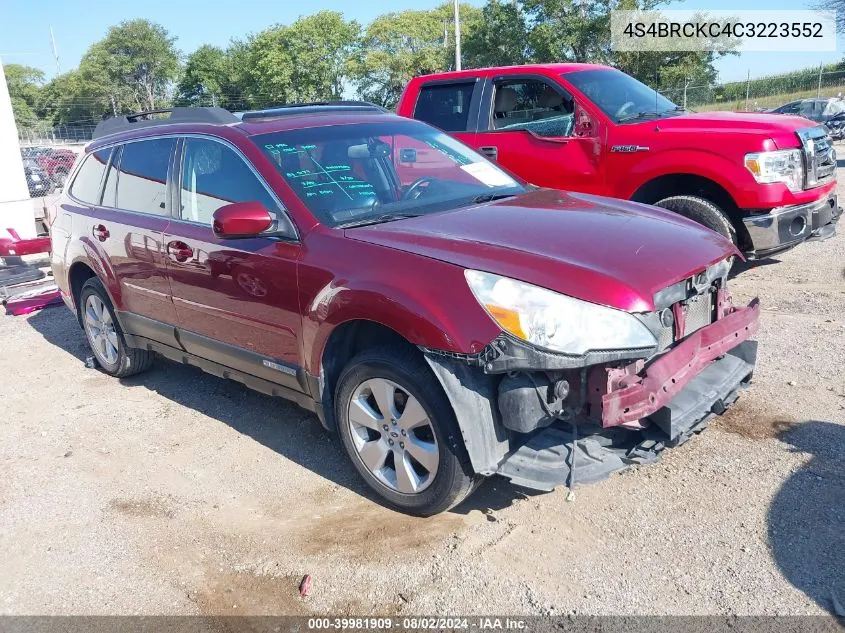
[[80, 272], [347, 340]]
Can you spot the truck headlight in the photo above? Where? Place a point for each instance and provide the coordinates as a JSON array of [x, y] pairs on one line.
[[786, 166], [554, 321]]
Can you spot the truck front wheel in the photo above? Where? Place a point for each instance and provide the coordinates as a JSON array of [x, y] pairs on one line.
[[702, 211]]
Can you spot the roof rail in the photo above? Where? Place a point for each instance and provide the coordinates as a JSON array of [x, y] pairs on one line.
[[312, 107], [126, 122]]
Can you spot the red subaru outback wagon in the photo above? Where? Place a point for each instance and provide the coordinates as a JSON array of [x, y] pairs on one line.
[[448, 321]]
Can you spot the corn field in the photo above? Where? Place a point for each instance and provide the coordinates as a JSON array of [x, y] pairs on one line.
[[761, 92]]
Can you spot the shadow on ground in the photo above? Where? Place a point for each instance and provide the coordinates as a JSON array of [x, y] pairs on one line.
[[275, 423], [740, 267], [807, 516]]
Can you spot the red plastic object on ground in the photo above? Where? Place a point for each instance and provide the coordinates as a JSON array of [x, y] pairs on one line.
[[305, 586], [16, 246], [25, 303]]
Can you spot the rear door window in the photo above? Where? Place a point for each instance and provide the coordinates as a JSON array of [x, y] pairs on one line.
[[86, 185], [445, 105], [142, 183]]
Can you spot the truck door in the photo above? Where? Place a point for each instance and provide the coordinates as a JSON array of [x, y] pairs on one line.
[[533, 127], [451, 105]]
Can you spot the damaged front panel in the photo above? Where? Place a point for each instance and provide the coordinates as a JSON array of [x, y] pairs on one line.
[[520, 408]]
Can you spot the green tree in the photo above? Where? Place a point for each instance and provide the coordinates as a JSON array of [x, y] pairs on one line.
[[138, 60], [24, 84], [74, 98], [398, 46], [306, 61], [203, 77], [499, 38]]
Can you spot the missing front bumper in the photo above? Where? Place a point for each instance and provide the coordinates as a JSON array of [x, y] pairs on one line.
[[543, 461]]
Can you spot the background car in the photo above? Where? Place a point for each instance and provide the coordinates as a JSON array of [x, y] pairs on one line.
[[829, 112], [56, 162], [593, 129], [37, 180]]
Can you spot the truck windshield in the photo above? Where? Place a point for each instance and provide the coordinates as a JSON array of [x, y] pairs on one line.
[[366, 173], [620, 96]]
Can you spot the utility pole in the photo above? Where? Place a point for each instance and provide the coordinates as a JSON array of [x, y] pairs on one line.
[[747, 89], [457, 36], [819, 91], [55, 52]]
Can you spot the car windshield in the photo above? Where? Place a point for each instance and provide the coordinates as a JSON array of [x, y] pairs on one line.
[[374, 172], [834, 107], [620, 96]]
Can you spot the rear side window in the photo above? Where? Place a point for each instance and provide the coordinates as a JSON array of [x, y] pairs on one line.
[[142, 184], [213, 175], [445, 105], [86, 185]]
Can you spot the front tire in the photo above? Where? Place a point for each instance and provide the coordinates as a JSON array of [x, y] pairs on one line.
[[702, 211], [105, 336], [399, 430]]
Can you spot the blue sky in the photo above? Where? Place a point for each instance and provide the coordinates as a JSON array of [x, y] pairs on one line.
[[25, 26]]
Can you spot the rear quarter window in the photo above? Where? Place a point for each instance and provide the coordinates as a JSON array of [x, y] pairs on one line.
[[142, 183], [445, 105], [86, 185]]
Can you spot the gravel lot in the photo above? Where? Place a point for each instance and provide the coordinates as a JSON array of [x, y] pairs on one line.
[[176, 492]]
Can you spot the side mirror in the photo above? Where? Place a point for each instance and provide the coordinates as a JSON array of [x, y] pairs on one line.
[[241, 219]]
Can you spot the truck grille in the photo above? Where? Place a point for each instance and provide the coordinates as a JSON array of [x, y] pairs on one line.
[[819, 156]]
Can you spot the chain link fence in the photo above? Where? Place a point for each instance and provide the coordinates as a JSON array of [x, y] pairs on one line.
[[760, 93], [46, 134]]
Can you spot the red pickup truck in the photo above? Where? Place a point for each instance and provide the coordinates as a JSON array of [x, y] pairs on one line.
[[767, 182]]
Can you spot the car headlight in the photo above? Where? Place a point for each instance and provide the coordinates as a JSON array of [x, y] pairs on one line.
[[554, 321], [786, 166]]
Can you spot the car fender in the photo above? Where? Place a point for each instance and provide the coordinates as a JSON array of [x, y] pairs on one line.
[[719, 169], [470, 391], [463, 329]]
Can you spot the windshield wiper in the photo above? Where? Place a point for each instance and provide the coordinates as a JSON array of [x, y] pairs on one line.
[[379, 219], [639, 115], [490, 197]]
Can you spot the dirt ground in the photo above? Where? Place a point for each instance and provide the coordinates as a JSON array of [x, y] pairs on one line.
[[175, 492]]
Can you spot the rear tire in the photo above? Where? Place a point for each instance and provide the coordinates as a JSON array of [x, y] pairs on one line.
[[702, 211], [418, 416], [104, 335]]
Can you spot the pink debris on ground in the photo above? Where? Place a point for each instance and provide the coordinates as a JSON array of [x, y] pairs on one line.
[[26, 304]]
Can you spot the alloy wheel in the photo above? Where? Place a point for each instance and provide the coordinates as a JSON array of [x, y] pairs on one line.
[[101, 330], [393, 436]]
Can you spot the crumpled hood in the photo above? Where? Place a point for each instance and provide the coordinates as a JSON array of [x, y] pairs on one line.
[[603, 250]]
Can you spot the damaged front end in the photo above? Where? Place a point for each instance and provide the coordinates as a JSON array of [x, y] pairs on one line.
[[544, 419]]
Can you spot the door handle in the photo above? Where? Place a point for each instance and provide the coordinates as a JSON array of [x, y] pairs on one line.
[[100, 232], [490, 151], [179, 251]]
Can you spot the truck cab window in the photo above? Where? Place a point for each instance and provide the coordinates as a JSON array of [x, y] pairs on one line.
[[445, 105], [534, 106]]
